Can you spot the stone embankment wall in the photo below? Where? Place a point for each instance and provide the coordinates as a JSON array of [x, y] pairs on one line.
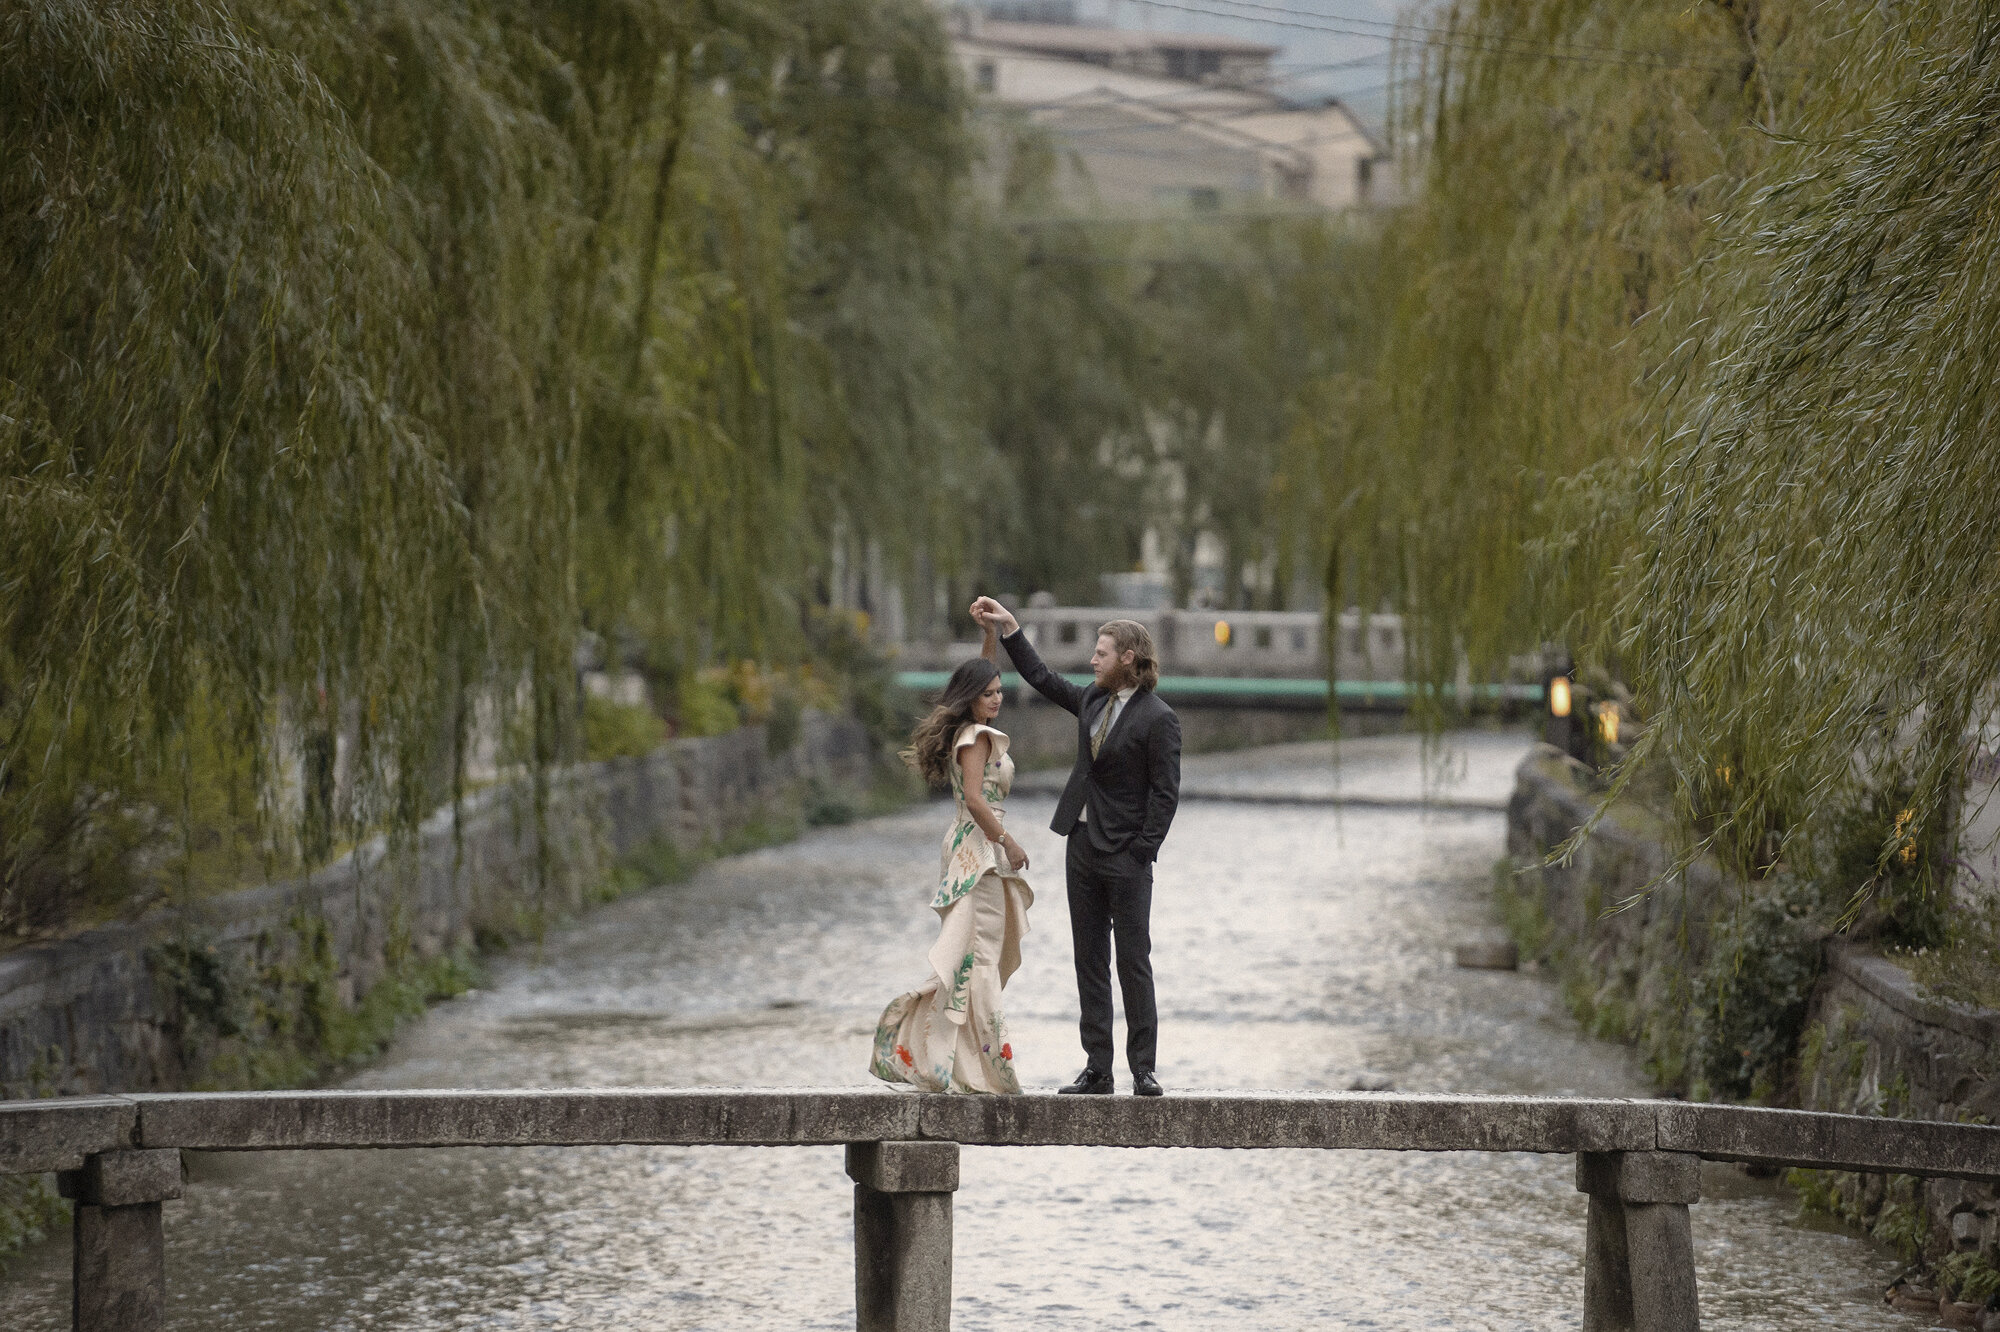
[[148, 1005], [1872, 1041]]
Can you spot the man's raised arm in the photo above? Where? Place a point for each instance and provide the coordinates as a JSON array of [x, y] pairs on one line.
[[1026, 660]]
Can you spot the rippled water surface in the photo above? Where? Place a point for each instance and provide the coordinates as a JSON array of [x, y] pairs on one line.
[[1296, 947]]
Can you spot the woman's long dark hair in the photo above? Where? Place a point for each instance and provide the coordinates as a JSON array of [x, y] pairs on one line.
[[930, 744]]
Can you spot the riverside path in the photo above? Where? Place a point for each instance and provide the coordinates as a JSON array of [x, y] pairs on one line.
[[1300, 945]]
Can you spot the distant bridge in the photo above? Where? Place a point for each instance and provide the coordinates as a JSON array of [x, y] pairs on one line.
[[1210, 658], [1281, 644], [120, 1159], [1230, 691]]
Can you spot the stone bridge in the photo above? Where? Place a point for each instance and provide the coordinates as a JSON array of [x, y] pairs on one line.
[[119, 1158]]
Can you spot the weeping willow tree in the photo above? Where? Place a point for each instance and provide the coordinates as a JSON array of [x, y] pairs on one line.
[[1684, 364], [1810, 595], [213, 498], [358, 356], [365, 358], [1569, 155]]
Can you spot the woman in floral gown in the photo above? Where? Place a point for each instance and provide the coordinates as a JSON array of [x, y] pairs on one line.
[[949, 1034]]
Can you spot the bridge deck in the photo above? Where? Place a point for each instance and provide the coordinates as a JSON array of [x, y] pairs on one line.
[[59, 1134]]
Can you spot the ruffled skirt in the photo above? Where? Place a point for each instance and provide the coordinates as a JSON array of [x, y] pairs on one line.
[[950, 1033]]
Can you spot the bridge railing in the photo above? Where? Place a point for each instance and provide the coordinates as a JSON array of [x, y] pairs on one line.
[[119, 1158]]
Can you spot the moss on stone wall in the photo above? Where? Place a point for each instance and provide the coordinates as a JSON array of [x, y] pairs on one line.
[[285, 1021], [1709, 975], [1759, 990], [29, 1211]]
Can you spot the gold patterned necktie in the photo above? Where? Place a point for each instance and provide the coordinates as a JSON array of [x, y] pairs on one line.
[[1103, 725]]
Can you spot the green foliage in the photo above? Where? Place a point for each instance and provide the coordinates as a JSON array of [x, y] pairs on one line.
[[356, 359], [703, 706], [1522, 912], [1889, 1209], [1833, 1068], [359, 360], [861, 678], [281, 1022], [1749, 997], [1965, 967], [786, 721], [29, 1211], [203, 318], [1820, 1193], [1888, 874], [657, 861], [620, 730], [1968, 1277], [662, 861], [1556, 201], [827, 806], [1901, 1223], [1822, 524], [1687, 361], [893, 788], [1147, 374], [755, 835]]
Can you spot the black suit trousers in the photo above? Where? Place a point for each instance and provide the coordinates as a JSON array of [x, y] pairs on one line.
[[1111, 898]]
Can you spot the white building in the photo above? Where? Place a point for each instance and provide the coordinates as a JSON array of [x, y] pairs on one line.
[[1169, 121]]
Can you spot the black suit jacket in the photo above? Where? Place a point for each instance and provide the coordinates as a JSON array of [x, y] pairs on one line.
[[1133, 785]]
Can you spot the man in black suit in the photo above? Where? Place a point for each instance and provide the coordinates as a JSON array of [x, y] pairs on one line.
[[1115, 812]]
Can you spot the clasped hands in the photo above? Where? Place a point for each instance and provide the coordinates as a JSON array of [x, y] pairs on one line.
[[990, 614]]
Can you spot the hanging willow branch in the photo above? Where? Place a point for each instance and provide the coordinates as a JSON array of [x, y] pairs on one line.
[[1821, 531], [1688, 364], [357, 356], [361, 359]]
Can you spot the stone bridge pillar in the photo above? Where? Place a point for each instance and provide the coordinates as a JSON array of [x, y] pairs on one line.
[[119, 1266], [902, 1234], [1638, 1254]]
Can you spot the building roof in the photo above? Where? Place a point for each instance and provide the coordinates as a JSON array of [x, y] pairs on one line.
[[1075, 39]]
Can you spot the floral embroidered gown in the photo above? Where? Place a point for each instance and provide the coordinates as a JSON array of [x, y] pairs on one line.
[[950, 1034]]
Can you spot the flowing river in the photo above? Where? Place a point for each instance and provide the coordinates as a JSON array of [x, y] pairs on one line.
[[1296, 946]]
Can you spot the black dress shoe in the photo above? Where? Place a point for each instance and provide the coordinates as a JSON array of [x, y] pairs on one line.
[[1089, 1083], [1145, 1084]]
